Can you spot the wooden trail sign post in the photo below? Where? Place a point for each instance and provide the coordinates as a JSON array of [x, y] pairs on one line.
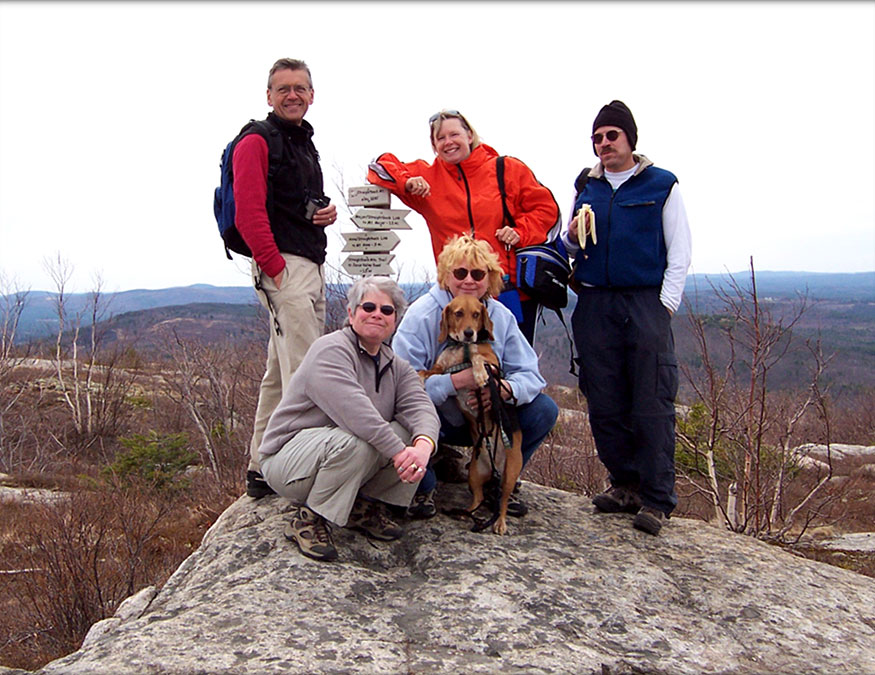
[[371, 248]]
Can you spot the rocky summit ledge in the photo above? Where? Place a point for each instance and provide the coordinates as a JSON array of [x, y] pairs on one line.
[[568, 591]]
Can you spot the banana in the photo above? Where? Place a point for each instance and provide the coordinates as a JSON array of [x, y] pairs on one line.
[[581, 225]]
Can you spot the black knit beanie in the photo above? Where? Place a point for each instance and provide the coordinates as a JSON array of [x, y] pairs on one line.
[[616, 114]]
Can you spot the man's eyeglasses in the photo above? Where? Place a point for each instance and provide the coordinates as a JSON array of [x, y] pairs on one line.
[[611, 135], [300, 90], [371, 307], [461, 274]]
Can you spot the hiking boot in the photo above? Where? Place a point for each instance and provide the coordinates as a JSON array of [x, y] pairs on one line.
[[616, 500], [311, 532], [370, 518], [649, 520], [256, 486], [422, 506], [451, 463], [516, 507]]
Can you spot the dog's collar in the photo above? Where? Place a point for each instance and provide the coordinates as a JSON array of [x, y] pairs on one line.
[[466, 356]]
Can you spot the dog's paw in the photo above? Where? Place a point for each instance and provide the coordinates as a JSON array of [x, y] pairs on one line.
[[499, 526]]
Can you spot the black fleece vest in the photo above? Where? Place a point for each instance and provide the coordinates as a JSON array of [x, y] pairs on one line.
[[298, 178]]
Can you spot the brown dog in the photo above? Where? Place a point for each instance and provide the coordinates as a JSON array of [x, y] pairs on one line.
[[466, 323]]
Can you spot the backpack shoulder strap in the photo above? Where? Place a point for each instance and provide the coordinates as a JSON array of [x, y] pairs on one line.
[[272, 137], [499, 173], [581, 181]]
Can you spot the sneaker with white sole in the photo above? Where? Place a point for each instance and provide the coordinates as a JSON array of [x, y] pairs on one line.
[[311, 532]]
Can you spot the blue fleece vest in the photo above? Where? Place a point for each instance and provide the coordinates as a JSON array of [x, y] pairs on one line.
[[631, 248]]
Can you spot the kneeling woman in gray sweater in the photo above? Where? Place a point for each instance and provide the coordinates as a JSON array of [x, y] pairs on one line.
[[354, 430]]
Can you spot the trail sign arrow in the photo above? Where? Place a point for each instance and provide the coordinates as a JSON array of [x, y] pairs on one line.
[[369, 195], [379, 240], [368, 263], [381, 219]]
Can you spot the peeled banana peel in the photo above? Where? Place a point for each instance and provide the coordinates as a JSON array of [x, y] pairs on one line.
[[582, 233]]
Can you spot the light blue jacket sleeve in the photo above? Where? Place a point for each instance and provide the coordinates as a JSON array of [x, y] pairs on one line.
[[416, 342]]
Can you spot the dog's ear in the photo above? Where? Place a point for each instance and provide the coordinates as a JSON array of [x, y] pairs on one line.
[[486, 331], [445, 322]]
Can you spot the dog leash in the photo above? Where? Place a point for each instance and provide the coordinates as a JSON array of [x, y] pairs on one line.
[[503, 421]]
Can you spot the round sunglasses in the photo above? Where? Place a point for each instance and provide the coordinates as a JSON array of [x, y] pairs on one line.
[[371, 307], [612, 136], [461, 273]]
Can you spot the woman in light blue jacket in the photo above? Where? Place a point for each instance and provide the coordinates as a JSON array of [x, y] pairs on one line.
[[468, 266]]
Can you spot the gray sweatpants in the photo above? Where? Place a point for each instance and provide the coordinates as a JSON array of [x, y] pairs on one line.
[[326, 468]]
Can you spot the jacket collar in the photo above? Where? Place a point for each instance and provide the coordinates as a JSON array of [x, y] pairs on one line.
[[598, 171], [386, 353], [479, 156], [303, 131]]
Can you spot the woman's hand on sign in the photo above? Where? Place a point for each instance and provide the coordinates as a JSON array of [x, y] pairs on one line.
[[418, 186]]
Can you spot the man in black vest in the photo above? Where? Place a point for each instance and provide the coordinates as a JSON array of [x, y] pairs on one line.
[[283, 220], [631, 261]]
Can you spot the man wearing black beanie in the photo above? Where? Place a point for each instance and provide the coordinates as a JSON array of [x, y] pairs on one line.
[[629, 279]]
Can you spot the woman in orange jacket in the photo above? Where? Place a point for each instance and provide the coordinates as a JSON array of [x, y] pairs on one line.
[[458, 194]]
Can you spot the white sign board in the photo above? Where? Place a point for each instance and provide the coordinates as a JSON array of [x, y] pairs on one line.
[[368, 263], [381, 219], [379, 240], [369, 195]]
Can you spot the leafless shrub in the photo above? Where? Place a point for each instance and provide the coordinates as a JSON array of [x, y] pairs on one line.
[[567, 459], [736, 440], [86, 553], [88, 378], [216, 386]]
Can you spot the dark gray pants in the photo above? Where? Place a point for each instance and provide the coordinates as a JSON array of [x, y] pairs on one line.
[[629, 375]]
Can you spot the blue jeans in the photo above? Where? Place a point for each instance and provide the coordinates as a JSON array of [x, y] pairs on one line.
[[536, 421]]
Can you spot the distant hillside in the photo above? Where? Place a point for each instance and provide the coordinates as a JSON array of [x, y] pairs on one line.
[[841, 313], [148, 330], [39, 318]]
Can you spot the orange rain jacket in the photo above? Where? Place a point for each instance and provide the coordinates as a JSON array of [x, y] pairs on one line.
[[464, 199]]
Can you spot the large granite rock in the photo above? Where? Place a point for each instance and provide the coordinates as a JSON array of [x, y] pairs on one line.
[[568, 591]]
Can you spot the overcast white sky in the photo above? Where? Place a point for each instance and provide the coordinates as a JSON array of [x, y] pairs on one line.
[[113, 117]]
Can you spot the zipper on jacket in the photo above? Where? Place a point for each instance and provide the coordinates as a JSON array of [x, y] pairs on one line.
[[608, 238], [378, 373], [468, 193]]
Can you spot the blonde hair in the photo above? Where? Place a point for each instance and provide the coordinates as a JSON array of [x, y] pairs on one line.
[[437, 119], [464, 249]]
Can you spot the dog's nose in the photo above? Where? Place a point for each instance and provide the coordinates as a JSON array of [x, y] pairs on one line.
[[469, 333]]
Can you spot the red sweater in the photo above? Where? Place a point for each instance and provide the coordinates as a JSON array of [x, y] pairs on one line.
[[250, 197]]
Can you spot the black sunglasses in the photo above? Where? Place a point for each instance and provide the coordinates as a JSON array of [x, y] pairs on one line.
[[371, 307], [612, 136], [460, 273]]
